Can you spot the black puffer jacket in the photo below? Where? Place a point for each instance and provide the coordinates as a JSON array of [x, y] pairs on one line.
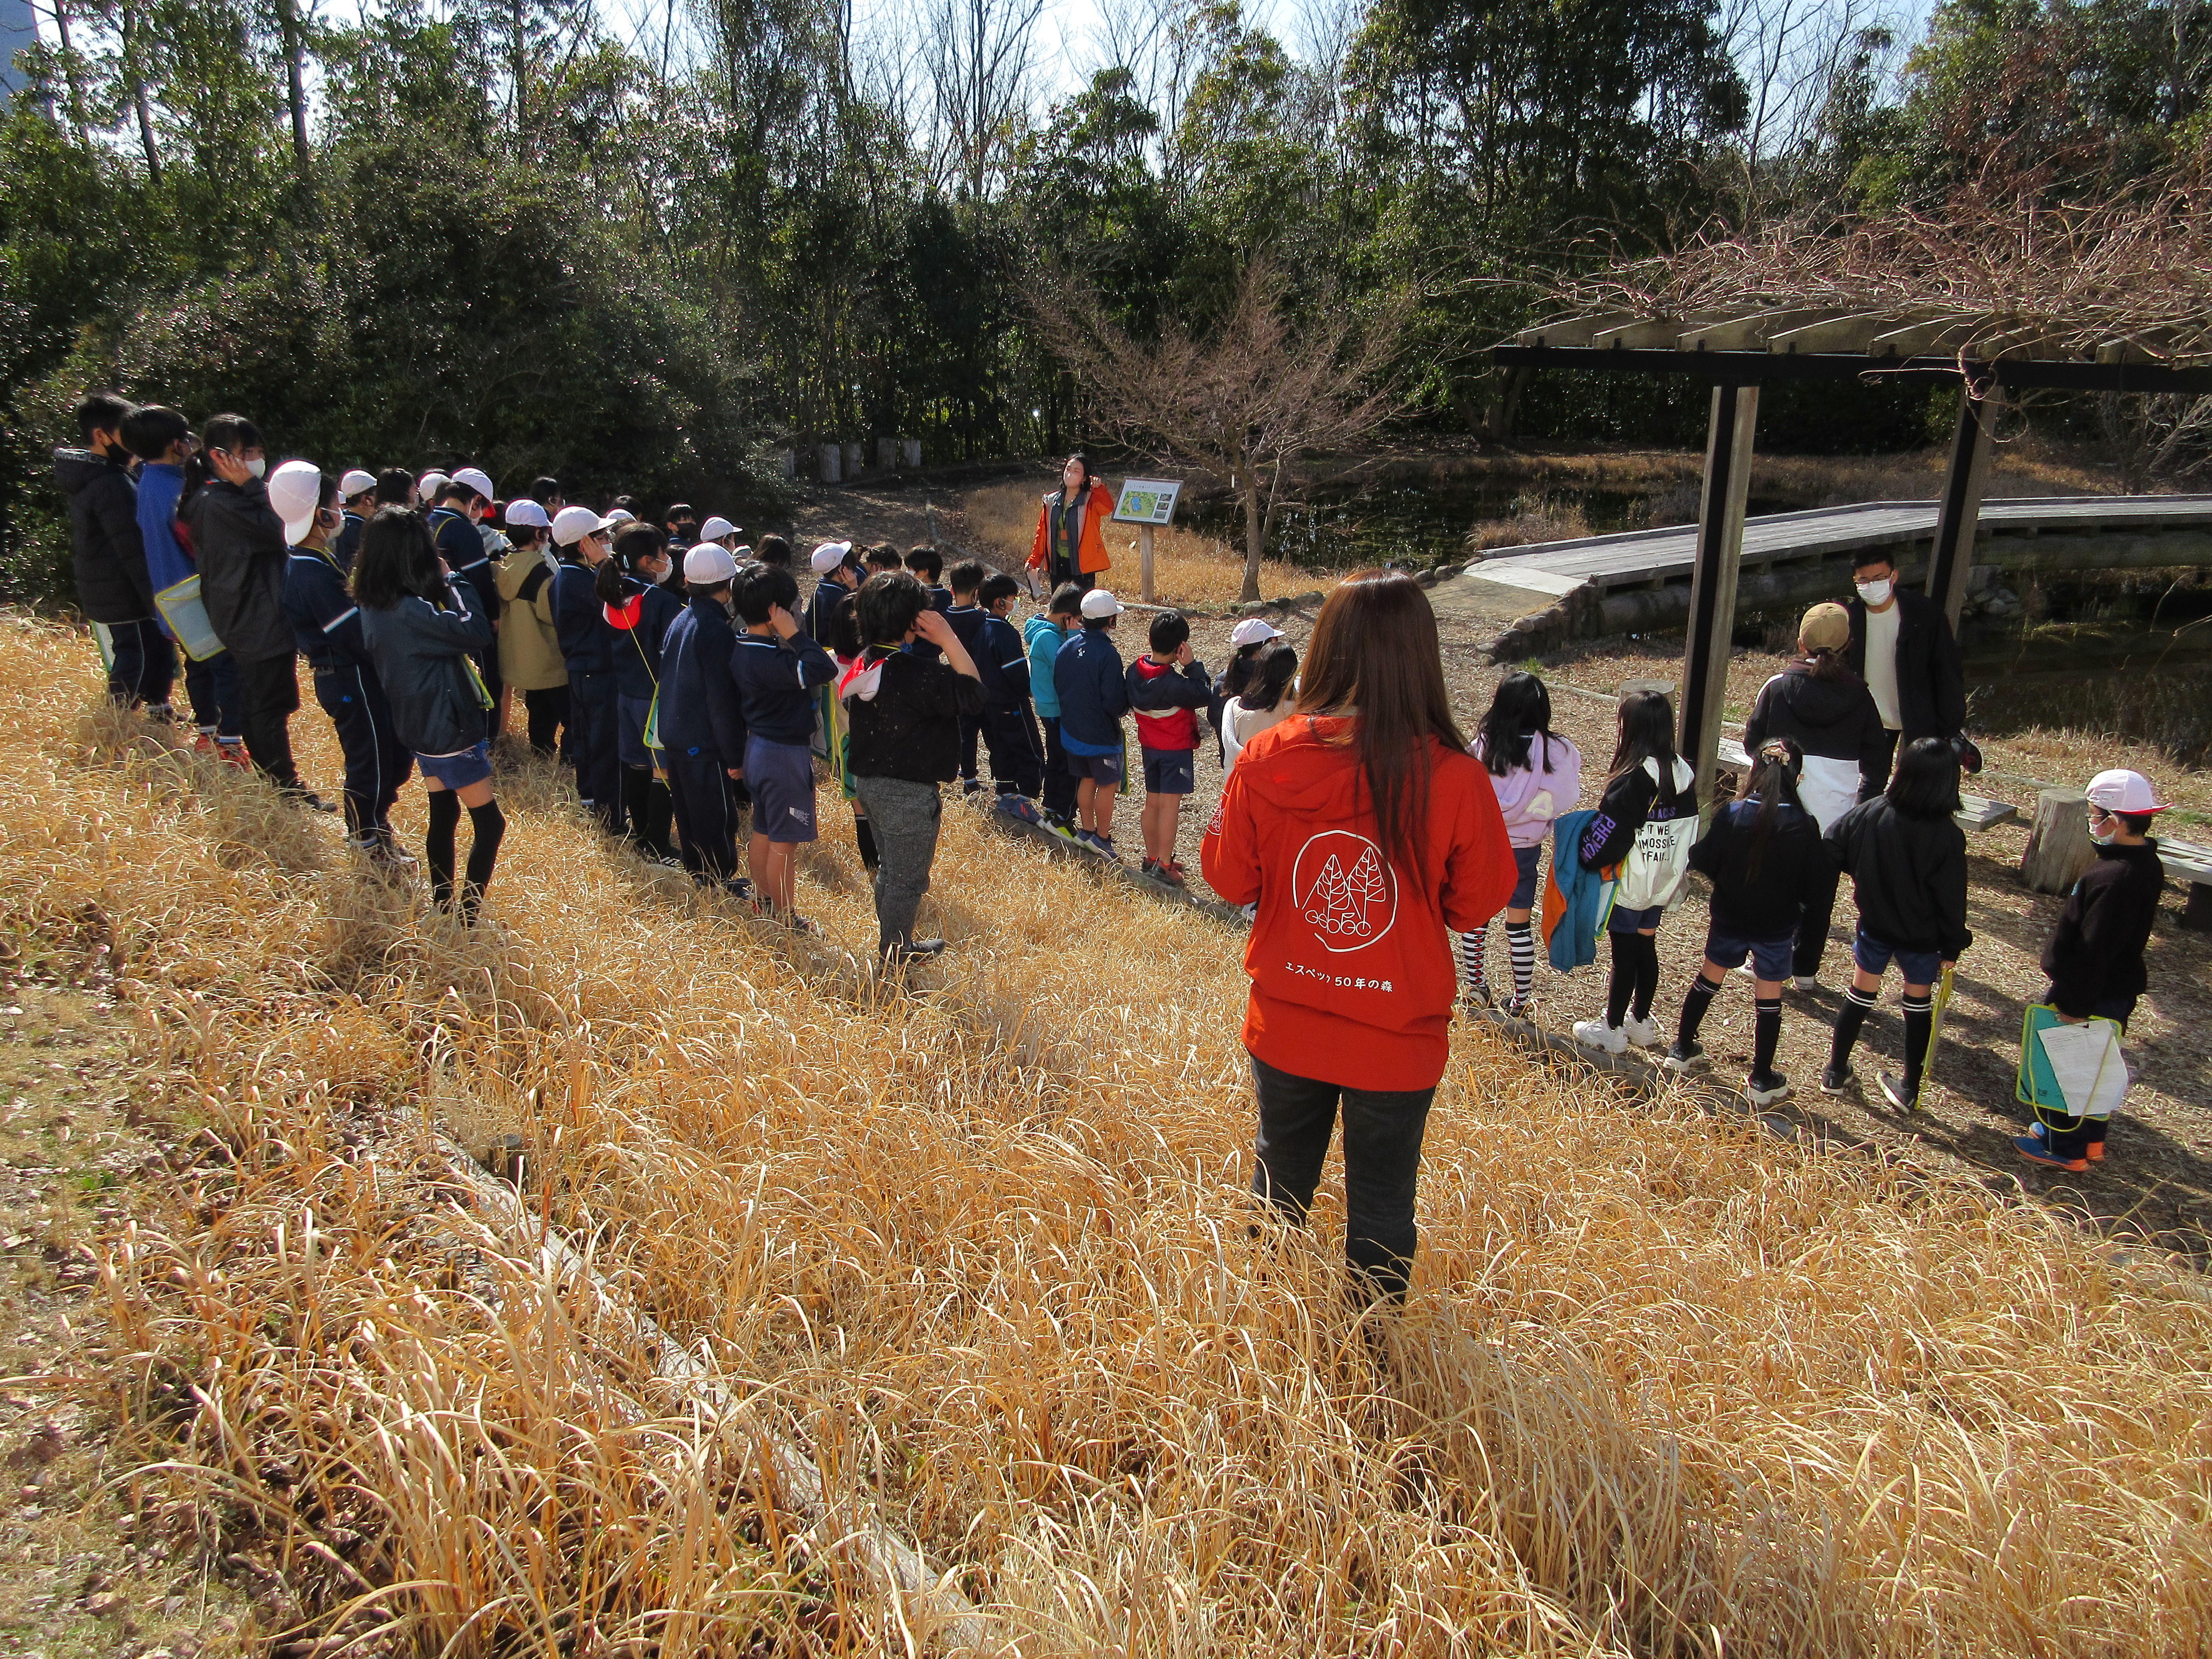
[[111, 583], [239, 543], [1910, 875], [421, 652]]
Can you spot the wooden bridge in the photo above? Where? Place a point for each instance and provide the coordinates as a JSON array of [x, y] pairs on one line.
[[1640, 580]]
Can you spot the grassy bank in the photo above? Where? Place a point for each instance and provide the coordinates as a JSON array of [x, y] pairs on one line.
[[1665, 1385]]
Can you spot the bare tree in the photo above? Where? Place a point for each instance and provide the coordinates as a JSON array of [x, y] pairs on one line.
[[978, 55], [1246, 400], [1792, 54]]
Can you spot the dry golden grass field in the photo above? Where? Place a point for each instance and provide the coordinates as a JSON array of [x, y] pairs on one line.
[[973, 1264]]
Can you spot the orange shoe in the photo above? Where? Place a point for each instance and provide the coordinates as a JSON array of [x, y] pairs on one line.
[[233, 754]]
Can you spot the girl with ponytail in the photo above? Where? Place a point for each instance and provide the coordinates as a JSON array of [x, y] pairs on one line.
[[637, 606]]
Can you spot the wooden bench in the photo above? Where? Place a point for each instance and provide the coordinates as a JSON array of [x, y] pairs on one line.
[[2187, 862], [1975, 812]]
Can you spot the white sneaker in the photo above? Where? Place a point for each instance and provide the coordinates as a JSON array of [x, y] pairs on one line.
[[1642, 1033], [1596, 1034], [1806, 981]]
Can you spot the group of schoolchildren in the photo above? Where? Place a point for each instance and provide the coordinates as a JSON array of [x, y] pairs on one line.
[[1819, 803]]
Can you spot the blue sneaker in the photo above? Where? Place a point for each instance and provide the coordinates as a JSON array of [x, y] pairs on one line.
[[1022, 807]]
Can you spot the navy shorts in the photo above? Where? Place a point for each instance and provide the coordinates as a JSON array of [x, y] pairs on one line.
[[1170, 771], [781, 777], [1918, 967], [1771, 959], [458, 771], [1099, 768], [1525, 859], [1633, 921]]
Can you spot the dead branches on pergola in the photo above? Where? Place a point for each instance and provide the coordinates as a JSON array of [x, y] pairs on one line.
[[2128, 279], [1246, 400]]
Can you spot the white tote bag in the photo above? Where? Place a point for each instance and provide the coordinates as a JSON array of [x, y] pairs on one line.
[[1657, 866]]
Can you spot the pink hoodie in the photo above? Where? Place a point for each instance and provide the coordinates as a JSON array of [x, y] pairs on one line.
[[1530, 797]]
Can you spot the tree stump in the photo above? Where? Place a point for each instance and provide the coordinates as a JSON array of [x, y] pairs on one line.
[[2059, 845]]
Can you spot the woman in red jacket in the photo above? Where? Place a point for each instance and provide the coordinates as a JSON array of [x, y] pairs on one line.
[[1071, 535], [1367, 836]]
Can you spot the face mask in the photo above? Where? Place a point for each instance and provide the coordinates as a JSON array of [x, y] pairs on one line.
[[2101, 830], [258, 465], [1876, 593]]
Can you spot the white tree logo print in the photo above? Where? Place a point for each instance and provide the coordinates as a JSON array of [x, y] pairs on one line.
[[1345, 891]]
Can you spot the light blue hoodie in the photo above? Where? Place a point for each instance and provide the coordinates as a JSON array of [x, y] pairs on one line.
[[1044, 638]]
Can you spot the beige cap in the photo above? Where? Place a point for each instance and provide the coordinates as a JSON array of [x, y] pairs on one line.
[[1827, 627]]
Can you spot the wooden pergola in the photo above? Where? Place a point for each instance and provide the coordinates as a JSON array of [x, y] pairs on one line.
[[1738, 351]]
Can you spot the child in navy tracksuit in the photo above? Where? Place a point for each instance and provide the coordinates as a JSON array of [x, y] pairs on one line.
[[638, 609], [587, 647], [703, 730], [1167, 686], [776, 669], [326, 623], [1087, 677], [967, 618], [1003, 663]]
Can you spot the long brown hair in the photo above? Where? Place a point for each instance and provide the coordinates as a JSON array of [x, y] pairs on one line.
[[1374, 652]]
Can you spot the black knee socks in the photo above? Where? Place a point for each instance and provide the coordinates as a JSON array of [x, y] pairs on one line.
[[1767, 1032], [1919, 1020], [1857, 1004], [1634, 976], [1700, 998], [1647, 973], [659, 818], [438, 845], [867, 837], [489, 824], [637, 791]]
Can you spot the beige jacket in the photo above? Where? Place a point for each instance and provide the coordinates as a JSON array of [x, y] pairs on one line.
[[530, 657]]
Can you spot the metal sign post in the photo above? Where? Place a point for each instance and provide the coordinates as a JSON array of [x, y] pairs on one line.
[[1146, 503]]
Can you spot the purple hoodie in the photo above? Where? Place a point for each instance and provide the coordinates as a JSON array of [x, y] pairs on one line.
[[1530, 797]]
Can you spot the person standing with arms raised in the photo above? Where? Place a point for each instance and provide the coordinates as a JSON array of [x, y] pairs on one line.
[[1071, 536], [1366, 835], [1901, 646]]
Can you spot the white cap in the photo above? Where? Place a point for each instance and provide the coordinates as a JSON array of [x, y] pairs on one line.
[[1098, 604], [293, 491], [571, 524], [708, 562], [621, 515], [479, 482], [355, 481], [714, 529], [829, 556], [2116, 791], [524, 510], [1252, 631], [429, 484]]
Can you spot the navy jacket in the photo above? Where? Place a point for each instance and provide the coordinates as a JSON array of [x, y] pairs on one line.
[[775, 680], [700, 715], [1087, 675], [349, 542], [462, 545], [827, 609], [637, 650], [420, 653], [587, 642], [112, 585], [239, 544], [325, 622], [1002, 663]]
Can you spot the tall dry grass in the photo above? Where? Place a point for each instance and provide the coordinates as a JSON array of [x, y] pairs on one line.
[[1188, 569], [1664, 1386]]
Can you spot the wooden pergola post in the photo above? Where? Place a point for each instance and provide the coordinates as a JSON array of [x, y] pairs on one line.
[[1712, 584], [1960, 509]]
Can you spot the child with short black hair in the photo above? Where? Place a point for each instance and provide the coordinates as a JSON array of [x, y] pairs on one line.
[[882, 557], [967, 618], [1907, 862], [1167, 686], [928, 564], [1044, 636], [904, 713], [776, 668], [1017, 759], [1764, 856], [774, 552]]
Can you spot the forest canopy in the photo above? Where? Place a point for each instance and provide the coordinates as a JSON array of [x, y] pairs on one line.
[[647, 250]]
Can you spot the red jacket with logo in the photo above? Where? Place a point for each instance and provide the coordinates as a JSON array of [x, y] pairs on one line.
[[1351, 959]]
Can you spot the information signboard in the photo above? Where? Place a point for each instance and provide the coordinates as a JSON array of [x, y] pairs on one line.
[[1146, 500]]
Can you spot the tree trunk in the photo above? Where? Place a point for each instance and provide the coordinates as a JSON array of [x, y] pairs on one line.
[[295, 93], [132, 30], [1255, 529], [75, 93], [2059, 845]]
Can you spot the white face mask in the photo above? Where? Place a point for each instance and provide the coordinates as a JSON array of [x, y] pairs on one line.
[[1876, 593], [258, 465], [2101, 830]]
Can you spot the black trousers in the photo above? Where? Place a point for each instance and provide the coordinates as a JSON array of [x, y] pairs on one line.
[[376, 763], [145, 666], [269, 695], [1383, 1132], [2072, 1137], [1059, 782], [1017, 759], [971, 728], [548, 713], [213, 687], [706, 817], [1867, 791], [591, 720]]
